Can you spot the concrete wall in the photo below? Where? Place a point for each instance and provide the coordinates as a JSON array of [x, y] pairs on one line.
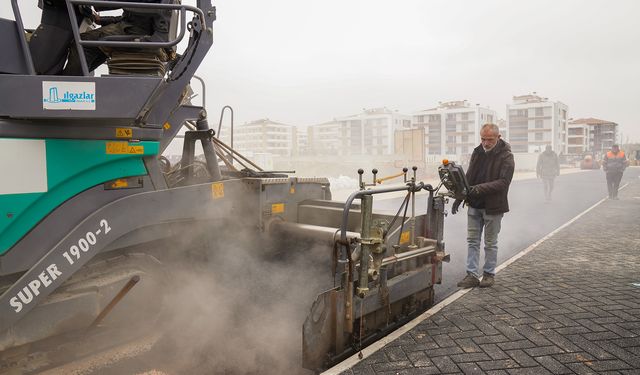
[[525, 162]]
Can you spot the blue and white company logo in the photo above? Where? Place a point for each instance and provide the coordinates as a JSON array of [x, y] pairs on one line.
[[68, 95]]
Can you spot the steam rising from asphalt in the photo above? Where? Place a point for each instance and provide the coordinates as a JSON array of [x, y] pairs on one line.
[[241, 311]]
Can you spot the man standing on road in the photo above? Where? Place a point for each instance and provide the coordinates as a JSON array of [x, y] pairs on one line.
[[490, 172], [547, 169], [614, 163]]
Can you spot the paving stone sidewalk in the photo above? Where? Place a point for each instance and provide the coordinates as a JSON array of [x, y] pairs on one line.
[[572, 305]]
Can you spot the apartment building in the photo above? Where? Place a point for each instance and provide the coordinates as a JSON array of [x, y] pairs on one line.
[[504, 131], [370, 132], [453, 128], [533, 122], [599, 135], [265, 136], [325, 138], [301, 146], [578, 138]]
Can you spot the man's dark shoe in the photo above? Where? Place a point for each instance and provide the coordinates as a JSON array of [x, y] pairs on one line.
[[469, 281], [487, 280]]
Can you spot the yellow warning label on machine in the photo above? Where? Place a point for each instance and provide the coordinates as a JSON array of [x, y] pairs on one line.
[[277, 208], [166, 126], [405, 236], [292, 190], [138, 150], [217, 190], [124, 148], [124, 132], [120, 183]]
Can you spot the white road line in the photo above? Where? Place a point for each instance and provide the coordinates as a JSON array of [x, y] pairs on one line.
[[353, 360]]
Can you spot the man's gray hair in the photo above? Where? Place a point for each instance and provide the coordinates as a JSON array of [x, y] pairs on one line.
[[494, 128]]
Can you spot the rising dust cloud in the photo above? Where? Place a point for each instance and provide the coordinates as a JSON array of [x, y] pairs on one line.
[[241, 310]]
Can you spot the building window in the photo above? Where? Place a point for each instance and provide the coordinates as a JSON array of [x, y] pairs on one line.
[[465, 116], [539, 124], [451, 116], [539, 112], [539, 136]]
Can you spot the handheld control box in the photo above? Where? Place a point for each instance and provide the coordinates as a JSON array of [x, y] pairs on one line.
[[454, 179]]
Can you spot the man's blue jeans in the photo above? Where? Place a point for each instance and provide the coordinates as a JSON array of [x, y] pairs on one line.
[[477, 221]]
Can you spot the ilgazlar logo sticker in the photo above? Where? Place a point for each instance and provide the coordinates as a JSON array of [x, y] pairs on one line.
[[79, 96]]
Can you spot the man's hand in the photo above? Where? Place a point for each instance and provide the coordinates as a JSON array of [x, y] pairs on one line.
[[456, 206]]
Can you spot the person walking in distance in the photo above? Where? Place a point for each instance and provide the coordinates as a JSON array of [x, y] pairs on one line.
[[547, 169], [614, 164], [490, 172]]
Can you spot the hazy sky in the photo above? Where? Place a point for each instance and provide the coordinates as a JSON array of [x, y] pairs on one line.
[[306, 62]]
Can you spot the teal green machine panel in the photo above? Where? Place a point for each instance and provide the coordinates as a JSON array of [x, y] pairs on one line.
[[72, 166]]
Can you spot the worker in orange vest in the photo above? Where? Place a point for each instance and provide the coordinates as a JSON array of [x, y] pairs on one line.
[[614, 163]]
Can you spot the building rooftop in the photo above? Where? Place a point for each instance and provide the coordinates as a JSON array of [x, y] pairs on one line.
[[591, 121], [263, 121], [368, 112], [529, 98], [453, 104], [330, 122], [378, 111]]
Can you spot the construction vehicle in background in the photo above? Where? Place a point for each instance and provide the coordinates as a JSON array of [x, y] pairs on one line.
[[91, 214], [589, 162]]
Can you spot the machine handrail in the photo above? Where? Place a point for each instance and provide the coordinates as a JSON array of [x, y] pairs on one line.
[[124, 44], [126, 4], [76, 31], [23, 38], [220, 124]]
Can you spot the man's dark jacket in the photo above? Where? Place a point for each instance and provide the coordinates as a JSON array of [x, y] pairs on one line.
[[490, 175]]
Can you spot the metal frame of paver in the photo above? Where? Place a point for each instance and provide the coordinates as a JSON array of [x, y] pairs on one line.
[[568, 307]]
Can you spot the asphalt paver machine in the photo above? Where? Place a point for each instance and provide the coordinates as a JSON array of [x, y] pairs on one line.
[[91, 214]]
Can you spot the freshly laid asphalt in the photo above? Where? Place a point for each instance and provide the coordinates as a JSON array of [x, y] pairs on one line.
[[569, 306]]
